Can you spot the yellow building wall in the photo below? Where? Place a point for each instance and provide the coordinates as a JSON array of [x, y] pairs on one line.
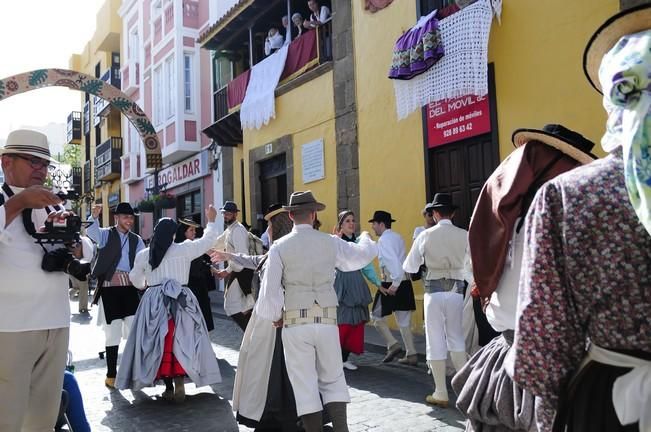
[[538, 58], [107, 34], [537, 54], [306, 113]]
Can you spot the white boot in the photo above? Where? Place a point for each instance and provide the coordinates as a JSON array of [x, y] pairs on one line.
[[408, 340], [459, 358], [382, 327], [440, 395]]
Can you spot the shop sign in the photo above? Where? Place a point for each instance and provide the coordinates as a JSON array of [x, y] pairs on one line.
[[182, 172], [456, 119]]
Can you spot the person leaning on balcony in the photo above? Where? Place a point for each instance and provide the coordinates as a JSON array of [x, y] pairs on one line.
[[34, 306], [117, 297], [273, 42], [297, 19], [319, 16]]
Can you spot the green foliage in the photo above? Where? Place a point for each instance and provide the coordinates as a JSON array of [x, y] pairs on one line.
[[71, 155], [37, 77]]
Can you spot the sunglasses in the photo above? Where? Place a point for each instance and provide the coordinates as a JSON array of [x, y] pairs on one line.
[[35, 162]]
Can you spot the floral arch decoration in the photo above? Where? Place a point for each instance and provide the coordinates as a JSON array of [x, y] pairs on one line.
[[41, 78]]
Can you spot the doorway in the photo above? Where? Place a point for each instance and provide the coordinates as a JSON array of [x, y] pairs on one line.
[[273, 185]]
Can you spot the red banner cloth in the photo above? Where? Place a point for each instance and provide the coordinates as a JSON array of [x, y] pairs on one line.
[[237, 89], [301, 51]]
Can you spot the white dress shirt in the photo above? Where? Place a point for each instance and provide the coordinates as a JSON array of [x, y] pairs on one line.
[[30, 298], [350, 257], [176, 262], [324, 15], [391, 256], [87, 249]]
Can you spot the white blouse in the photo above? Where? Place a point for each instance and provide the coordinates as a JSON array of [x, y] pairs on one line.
[[175, 263]]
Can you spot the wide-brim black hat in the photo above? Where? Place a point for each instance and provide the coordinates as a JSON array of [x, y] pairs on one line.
[[442, 200], [561, 138], [229, 206], [304, 201], [381, 216], [629, 21], [125, 209]]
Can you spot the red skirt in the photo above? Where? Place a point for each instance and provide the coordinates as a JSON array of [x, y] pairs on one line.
[[351, 337], [169, 366]]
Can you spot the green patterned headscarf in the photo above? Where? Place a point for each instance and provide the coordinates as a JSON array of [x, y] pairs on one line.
[[625, 77]]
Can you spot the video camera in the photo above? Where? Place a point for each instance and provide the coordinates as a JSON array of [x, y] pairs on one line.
[[67, 234]]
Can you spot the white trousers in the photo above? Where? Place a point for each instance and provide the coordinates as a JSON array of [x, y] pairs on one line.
[[443, 324], [117, 330], [403, 318], [314, 366]]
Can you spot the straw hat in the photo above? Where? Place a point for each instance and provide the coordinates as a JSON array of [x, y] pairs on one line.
[[561, 138], [273, 210], [28, 142], [630, 21]]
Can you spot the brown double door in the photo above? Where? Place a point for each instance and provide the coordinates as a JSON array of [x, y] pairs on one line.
[[461, 169]]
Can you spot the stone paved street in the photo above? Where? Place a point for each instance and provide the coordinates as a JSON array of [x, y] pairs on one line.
[[384, 397]]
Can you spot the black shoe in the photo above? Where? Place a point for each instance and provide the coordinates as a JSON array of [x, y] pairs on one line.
[[392, 353]]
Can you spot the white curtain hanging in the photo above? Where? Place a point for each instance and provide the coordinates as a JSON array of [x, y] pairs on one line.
[[259, 105]]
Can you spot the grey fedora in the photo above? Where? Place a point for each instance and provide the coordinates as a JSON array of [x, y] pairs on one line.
[[303, 201]]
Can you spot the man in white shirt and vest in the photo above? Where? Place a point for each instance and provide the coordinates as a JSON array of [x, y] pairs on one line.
[[443, 248], [238, 299], [34, 305], [117, 297], [297, 292], [396, 295]]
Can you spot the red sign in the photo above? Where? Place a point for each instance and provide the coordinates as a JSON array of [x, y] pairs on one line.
[[452, 120]]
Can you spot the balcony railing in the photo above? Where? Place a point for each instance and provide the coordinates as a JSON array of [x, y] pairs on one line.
[[76, 180], [107, 162], [111, 76], [86, 129], [220, 102], [73, 130], [87, 177], [324, 35]]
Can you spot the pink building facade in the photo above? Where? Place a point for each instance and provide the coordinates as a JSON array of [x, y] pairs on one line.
[[164, 71]]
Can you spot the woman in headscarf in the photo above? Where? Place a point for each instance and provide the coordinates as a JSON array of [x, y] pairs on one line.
[[169, 338], [201, 280], [353, 296], [262, 394]]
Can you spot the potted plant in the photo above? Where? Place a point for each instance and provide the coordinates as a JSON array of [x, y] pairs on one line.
[[146, 205], [166, 201]]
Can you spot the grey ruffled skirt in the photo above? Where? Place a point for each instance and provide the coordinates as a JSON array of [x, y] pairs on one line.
[[353, 296], [488, 396]]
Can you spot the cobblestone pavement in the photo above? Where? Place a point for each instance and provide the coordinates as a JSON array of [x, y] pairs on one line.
[[384, 397]]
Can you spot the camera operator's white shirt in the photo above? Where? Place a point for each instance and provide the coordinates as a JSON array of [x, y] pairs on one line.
[[30, 298]]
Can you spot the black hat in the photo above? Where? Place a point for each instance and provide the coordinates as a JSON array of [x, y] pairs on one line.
[[303, 201], [125, 209], [273, 210], [381, 216], [230, 206], [442, 200], [561, 138]]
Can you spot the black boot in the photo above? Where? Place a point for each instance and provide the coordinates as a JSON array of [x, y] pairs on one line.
[[111, 365], [337, 413]]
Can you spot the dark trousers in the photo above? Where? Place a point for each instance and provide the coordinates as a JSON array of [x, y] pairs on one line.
[[241, 319], [486, 332]]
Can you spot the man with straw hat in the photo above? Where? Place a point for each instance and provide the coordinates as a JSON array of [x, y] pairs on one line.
[[583, 336], [34, 306], [486, 394], [303, 264]]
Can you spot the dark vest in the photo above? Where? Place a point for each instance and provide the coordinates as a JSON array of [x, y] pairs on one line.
[[109, 256]]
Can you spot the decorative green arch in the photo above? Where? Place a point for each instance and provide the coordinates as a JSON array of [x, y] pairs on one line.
[[40, 78]]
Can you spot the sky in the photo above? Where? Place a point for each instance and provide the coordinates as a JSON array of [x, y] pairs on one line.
[[41, 34]]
